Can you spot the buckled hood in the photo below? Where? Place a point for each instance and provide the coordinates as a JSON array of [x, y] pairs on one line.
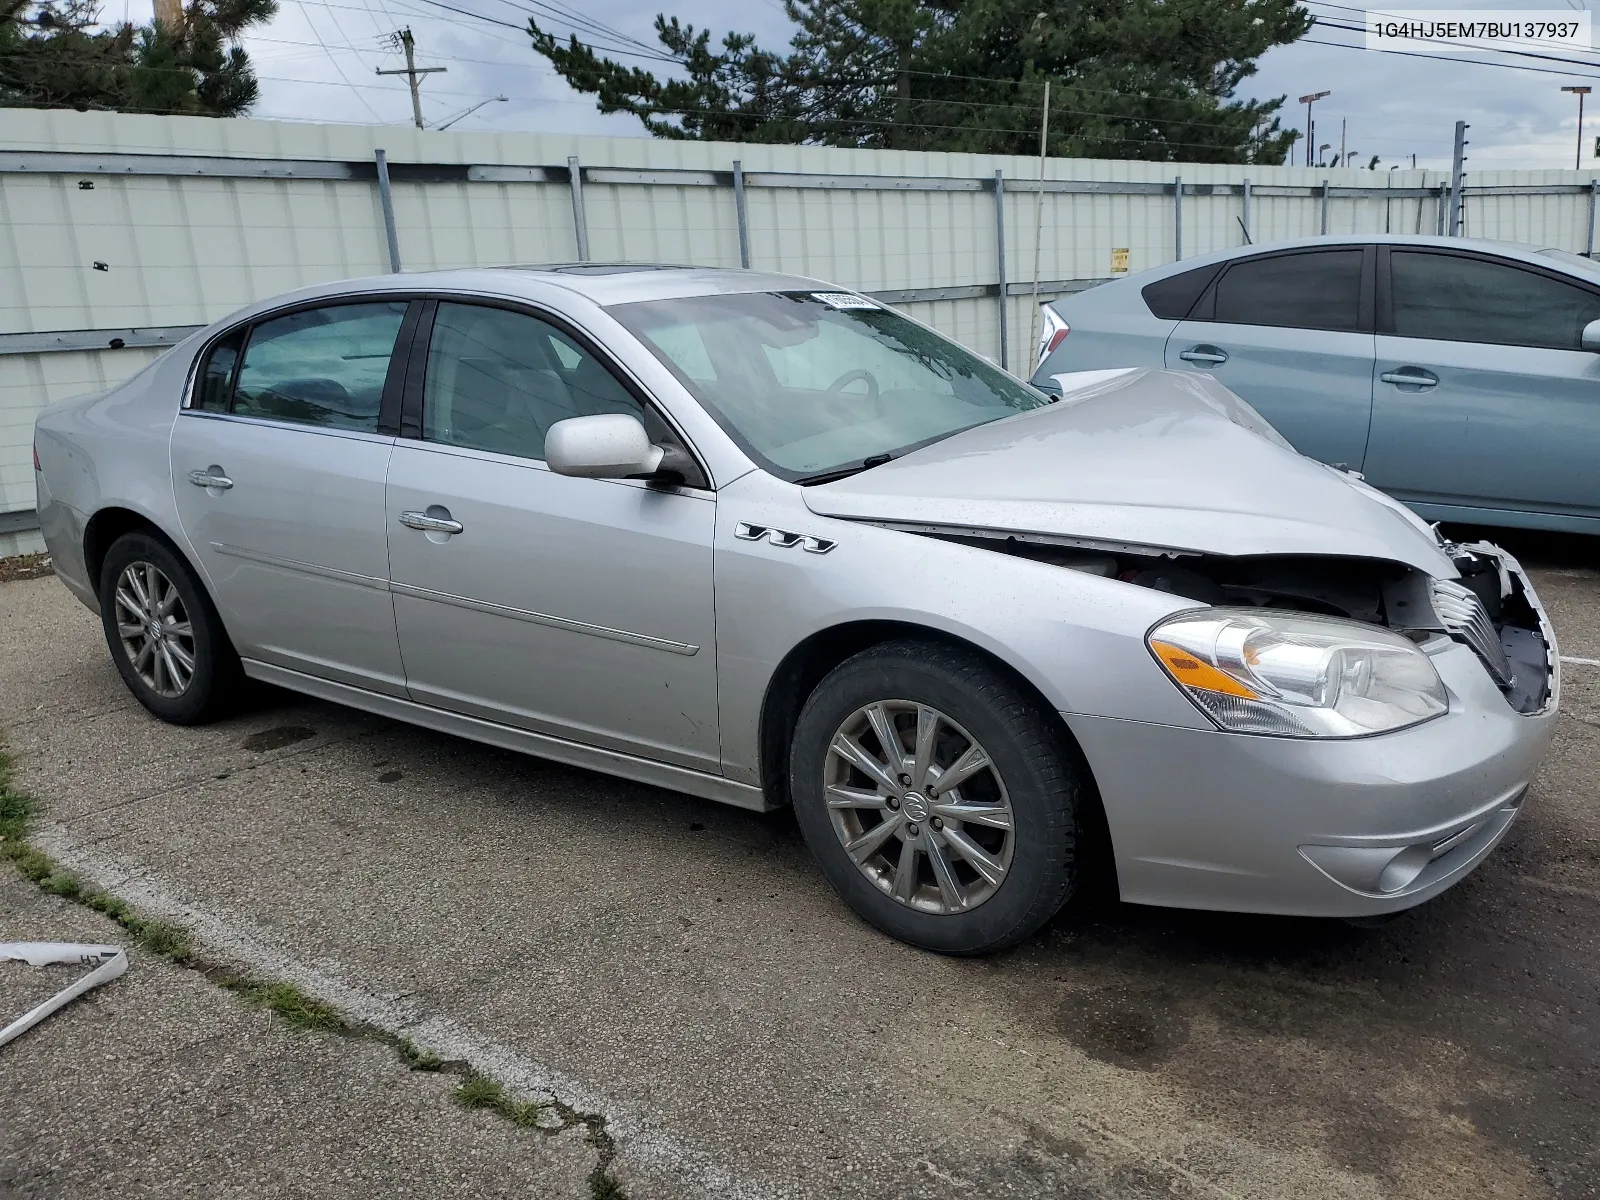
[[1138, 459]]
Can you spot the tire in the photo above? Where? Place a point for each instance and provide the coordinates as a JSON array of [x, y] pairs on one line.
[[1032, 771], [140, 565]]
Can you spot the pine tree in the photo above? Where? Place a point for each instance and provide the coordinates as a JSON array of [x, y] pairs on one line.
[[56, 54], [1147, 79]]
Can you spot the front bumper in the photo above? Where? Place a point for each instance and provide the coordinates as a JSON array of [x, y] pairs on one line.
[[1333, 828]]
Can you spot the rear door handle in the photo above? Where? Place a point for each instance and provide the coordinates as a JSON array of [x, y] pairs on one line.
[[1410, 377], [211, 477], [430, 524], [1208, 356]]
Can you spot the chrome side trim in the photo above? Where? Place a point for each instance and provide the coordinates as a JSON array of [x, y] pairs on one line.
[[294, 564], [609, 762], [538, 618]]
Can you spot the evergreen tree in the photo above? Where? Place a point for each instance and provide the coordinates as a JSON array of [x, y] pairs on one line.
[[56, 54], [1147, 79]]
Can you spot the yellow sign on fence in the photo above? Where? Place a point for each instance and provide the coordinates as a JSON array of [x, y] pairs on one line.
[[1119, 260]]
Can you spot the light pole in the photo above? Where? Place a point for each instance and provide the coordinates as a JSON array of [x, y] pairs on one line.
[[1322, 162], [1308, 101], [1580, 92], [467, 113]]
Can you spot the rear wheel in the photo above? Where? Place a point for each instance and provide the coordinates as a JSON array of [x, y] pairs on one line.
[[938, 800], [164, 633]]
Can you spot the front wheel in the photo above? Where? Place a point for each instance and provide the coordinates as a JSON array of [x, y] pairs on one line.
[[164, 633], [939, 801]]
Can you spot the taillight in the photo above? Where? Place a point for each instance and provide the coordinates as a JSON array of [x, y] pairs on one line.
[[36, 465], [1054, 333]]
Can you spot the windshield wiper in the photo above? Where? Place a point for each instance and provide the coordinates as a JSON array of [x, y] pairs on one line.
[[866, 464]]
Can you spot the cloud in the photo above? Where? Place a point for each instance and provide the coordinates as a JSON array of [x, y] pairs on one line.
[[317, 62]]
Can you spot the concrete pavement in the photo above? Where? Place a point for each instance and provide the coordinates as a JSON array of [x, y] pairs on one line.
[[682, 970]]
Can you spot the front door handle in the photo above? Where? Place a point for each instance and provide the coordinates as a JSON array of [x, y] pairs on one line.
[[429, 523], [1410, 377], [1208, 356], [211, 477]]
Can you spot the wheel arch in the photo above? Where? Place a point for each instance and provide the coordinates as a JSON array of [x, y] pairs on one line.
[[810, 661], [108, 524]]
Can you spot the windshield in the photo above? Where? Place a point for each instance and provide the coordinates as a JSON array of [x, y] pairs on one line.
[[814, 383], [1586, 265]]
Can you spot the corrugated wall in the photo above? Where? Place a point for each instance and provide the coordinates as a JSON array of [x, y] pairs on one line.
[[137, 251]]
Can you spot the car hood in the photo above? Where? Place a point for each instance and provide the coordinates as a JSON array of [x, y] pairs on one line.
[[1138, 459]]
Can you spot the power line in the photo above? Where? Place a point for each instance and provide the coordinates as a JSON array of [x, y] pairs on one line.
[[1470, 62], [318, 35]]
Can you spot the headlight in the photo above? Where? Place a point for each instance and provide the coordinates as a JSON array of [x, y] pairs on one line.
[[1296, 675]]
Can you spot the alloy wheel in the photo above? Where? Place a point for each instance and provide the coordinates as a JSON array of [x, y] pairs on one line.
[[919, 806], [155, 629]]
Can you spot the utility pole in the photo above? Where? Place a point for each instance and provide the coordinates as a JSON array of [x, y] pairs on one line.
[[1038, 214], [1580, 92], [169, 13], [1456, 172], [412, 72], [1308, 101], [1344, 159]]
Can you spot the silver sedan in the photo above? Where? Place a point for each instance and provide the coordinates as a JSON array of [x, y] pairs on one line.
[[763, 540]]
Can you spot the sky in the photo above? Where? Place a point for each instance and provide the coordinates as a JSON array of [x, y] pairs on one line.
[[317, 61]]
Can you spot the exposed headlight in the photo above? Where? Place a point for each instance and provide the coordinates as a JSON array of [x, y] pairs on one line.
[[1297, 675]]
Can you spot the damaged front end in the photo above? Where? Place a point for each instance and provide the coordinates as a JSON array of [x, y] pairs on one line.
[[1490, 608]]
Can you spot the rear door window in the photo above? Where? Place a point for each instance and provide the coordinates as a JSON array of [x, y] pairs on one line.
[[1320, 289], [1453, 298], [320, 366]]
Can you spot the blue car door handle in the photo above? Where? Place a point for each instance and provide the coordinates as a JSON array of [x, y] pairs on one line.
[[1208, 355], [1410, 377]]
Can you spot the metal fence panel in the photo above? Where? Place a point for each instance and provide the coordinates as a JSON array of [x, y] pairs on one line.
[[132, 227]]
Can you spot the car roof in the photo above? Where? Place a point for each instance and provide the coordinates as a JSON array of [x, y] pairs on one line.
[[1524, 253], [603, 283]]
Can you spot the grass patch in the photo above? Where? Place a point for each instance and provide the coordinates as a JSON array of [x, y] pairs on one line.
[[294, 1007], [479, 1091], [415, 1057]]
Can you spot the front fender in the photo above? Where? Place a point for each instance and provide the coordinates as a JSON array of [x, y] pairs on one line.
[[1077, 638]]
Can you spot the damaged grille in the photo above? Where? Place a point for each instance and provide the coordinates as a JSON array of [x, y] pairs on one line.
[[1463, 614]]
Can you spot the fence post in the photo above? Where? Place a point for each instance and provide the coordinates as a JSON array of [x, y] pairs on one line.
[[386, 198], [1249, 238], [744, 220], [1444, 200], [1594, 195], [1177, 218], [1324, 206], [580, 222], [1000, 256]]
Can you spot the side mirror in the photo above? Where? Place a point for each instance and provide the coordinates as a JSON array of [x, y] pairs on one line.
[[608, 446], [1590, 338]]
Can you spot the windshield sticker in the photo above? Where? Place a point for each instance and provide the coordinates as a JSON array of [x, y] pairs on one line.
[[843, 300]]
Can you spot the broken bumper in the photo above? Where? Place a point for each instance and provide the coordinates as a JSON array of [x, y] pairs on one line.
[[1335, 828]]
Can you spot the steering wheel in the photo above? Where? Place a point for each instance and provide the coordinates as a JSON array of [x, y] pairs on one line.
[[836, 388]]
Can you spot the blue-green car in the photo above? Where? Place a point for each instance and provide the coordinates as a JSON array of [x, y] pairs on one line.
[[1460, 376]]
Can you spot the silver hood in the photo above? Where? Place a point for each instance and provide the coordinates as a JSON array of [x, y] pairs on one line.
[[1139, 458]]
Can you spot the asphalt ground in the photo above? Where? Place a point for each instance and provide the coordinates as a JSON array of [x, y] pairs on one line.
[[680, 971]]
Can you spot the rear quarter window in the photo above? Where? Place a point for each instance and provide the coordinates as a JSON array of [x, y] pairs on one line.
[[1172, 298]]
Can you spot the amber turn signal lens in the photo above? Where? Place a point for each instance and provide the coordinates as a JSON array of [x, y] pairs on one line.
[[1191, 672]]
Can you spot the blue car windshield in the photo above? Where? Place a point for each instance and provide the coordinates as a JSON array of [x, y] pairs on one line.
[[816, 384]]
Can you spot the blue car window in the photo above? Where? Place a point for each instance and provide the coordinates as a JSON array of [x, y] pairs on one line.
[[1453, 298], [1320, 289]]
